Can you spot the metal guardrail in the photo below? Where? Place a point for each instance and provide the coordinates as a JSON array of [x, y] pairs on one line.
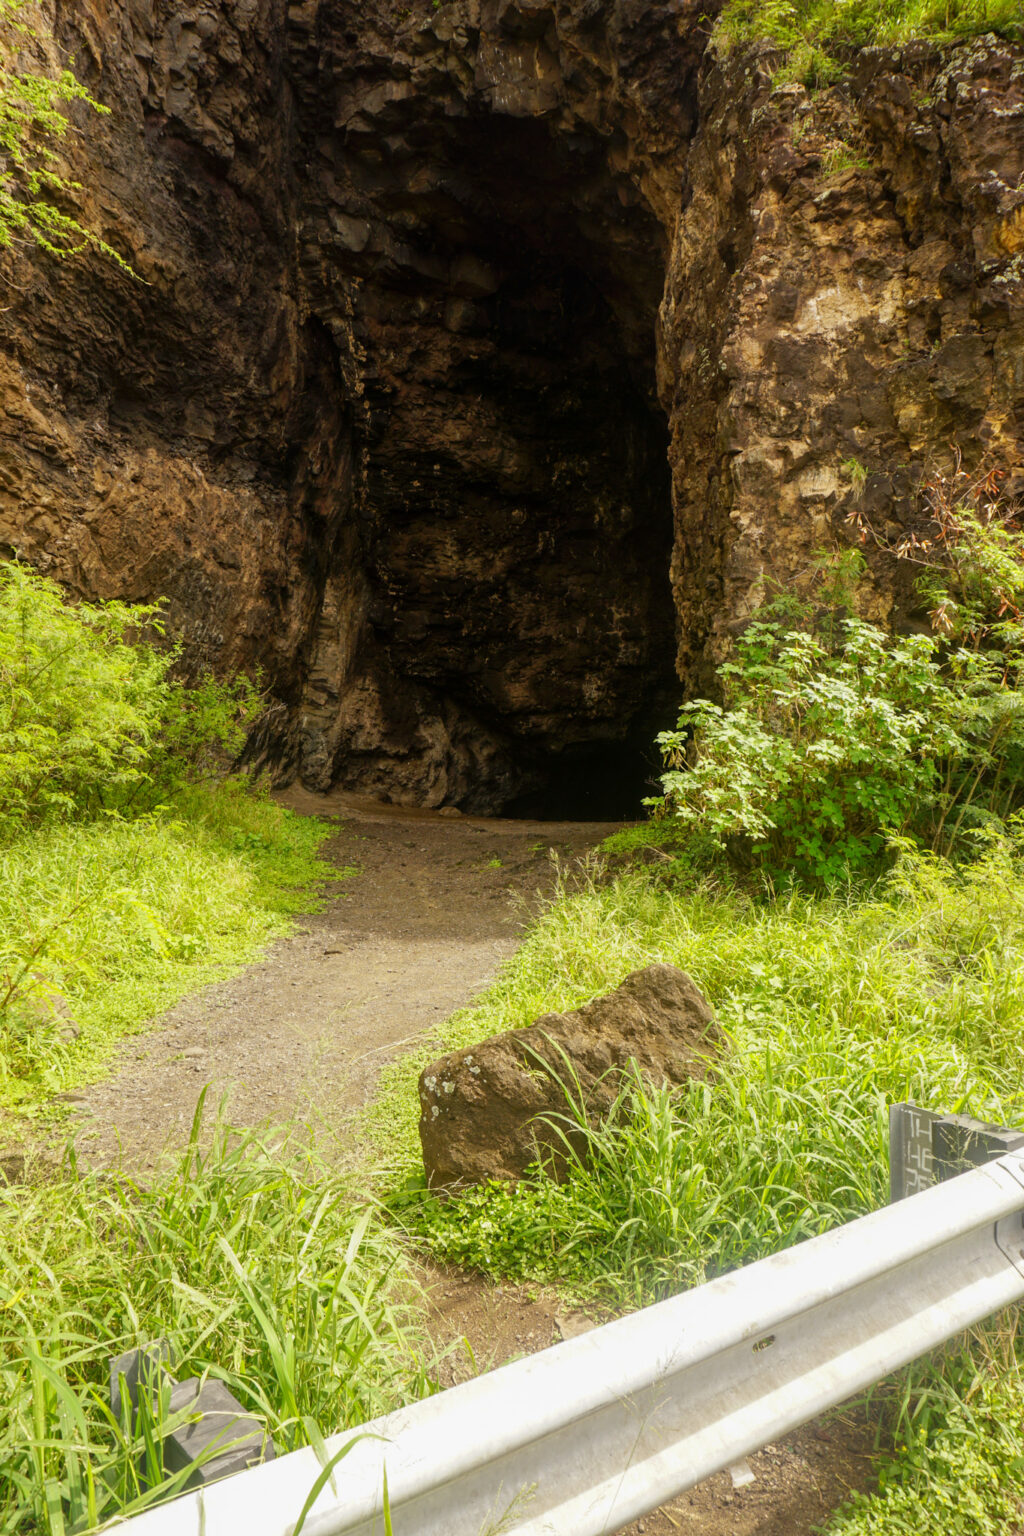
[[588, 1435]]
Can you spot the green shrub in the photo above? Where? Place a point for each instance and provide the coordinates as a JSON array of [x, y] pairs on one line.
[[833, 735], [253, 1258], [91, 719], [827, 743]]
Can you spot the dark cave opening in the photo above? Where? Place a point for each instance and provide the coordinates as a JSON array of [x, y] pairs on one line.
[[597, 781], [515, 509]]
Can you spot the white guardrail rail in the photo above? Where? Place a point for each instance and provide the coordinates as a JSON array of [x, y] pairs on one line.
[[586, 1436]]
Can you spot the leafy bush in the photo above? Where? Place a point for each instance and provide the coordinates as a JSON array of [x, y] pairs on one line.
[[834, 735], [827, 743], [258, 1264], [91, 718]]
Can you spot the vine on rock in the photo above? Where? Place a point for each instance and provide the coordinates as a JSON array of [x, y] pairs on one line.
[[33, 121]]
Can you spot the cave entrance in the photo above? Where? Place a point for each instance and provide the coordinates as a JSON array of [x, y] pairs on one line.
[[516, 494], [594, 781]]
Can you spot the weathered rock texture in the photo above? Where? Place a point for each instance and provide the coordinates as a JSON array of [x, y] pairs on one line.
[[479, 1108], [490, 354]]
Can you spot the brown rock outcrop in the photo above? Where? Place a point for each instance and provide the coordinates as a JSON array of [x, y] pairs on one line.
[[490, 356], [484, 1112]]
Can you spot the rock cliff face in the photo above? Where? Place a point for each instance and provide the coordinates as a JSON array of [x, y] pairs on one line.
[[489, 353]]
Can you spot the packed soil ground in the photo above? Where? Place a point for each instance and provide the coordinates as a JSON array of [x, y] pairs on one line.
[[436, 905]]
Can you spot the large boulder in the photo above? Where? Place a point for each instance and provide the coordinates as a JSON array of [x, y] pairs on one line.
[[479, 1108]]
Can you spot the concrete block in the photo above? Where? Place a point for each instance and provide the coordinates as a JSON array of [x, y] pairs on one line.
[[137, 1365], [216, 1425], [216, 1419]]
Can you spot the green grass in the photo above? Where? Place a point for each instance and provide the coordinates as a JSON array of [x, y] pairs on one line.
[[957, 1468], [261, 1266], [912, 992], [833, 1006], [105, 923], [860, 22], [820, 35]]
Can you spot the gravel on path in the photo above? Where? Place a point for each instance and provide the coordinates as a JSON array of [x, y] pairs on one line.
[[437, 904]]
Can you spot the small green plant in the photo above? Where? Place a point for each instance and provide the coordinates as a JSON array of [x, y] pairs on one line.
[[32, 121], [840, 157], [856, 474], [969, 554], [957, 1466]]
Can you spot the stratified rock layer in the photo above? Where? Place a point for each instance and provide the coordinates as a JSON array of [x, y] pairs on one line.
[[485, 1112], [489, 357]]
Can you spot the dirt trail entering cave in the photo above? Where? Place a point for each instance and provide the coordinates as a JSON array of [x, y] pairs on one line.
[[438, 903]]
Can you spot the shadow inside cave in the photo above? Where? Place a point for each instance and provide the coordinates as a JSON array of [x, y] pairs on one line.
[[515, 524]]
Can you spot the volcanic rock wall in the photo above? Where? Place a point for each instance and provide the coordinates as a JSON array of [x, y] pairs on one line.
[[488, 354]]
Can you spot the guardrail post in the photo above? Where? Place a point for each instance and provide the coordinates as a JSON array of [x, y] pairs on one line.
[[209, 1416], [926, 1147]]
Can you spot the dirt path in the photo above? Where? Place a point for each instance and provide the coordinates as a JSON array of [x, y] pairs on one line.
[[421, 929]]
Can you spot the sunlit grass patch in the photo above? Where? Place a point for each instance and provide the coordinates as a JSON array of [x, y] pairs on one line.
[[103, 923], [834, 1006], [819, 35]]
